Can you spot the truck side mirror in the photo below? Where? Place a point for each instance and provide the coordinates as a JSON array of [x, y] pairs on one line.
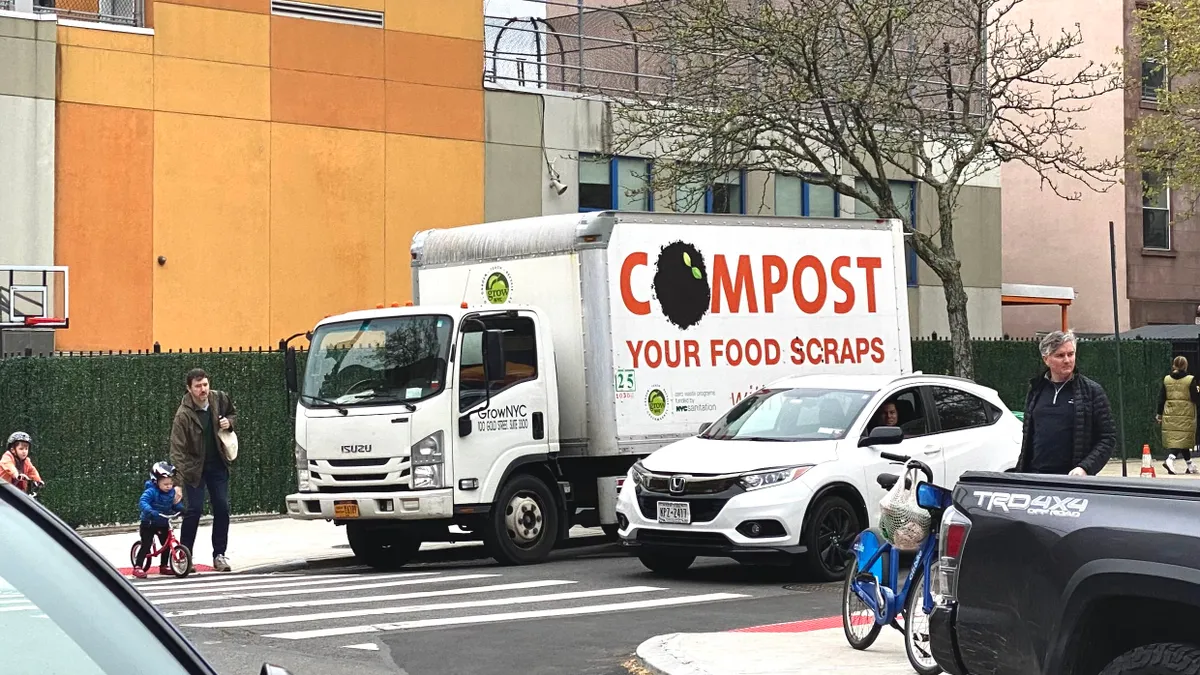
[[464, 426], [494, 362], [289, 369]]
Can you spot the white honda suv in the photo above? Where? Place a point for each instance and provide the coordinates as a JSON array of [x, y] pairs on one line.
[[790, 471]]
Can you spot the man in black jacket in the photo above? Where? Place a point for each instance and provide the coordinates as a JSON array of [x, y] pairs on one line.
[[1068, 425]]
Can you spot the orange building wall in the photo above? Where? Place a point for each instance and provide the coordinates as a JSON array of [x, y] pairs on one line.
[[280, 165]]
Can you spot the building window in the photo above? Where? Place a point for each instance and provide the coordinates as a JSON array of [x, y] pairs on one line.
[[726, 195], [904, 195], [795, 196], [1156, 213], [620, 183], [1154, 78]]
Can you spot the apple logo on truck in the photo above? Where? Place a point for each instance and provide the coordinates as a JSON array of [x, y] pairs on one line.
[[681, 284]]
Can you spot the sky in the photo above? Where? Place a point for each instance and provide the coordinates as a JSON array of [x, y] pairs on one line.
[[511, 8]]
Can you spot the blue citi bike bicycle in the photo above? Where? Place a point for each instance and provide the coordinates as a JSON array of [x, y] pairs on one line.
[[873, 594]]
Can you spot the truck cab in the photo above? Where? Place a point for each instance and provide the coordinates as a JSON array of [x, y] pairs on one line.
[[413, 420]]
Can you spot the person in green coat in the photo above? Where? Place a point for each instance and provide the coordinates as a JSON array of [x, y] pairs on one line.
[[1177, 414]]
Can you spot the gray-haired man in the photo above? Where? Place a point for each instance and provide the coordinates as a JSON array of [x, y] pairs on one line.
[[1068, 421]]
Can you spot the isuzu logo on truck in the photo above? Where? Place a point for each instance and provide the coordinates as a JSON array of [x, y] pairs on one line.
[[351, 449]]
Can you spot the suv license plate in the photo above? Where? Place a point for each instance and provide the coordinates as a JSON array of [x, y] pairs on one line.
[[677, 513]]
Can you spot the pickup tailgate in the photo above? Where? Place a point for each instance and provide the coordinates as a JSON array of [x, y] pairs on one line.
[[1033, 539]]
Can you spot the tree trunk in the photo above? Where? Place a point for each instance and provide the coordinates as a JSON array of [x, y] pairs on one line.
[[960, 333]]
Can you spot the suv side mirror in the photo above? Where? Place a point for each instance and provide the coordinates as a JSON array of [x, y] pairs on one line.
[[704, 427], [882, 436], [289, 370], [495, 364]]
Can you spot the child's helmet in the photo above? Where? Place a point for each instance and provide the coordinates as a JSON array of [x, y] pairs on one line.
[[18, 437], [162, 470]]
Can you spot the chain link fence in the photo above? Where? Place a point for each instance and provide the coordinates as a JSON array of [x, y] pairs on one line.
[[120, 12]]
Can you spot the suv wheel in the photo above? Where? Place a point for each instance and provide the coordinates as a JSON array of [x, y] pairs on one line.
[[829, 537]]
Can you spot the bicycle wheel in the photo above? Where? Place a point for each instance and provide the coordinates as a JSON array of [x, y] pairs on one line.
[[181, 561], [133, 553], [916, 627], [858, 619]]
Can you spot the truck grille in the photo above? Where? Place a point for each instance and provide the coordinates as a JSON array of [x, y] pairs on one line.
[[361, 474], [339, 463]]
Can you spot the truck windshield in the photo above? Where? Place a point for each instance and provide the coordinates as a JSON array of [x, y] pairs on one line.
[[398, 359], [790, 415]]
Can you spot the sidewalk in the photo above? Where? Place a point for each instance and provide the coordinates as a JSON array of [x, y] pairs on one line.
[[266, 545], [818, 644]]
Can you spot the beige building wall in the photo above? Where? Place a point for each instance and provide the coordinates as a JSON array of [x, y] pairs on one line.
[[1051, 241]]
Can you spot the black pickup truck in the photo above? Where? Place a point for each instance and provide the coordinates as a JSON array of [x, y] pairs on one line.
[[1050, 575]]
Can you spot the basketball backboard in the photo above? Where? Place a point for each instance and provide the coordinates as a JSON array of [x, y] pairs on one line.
[[34, 296]]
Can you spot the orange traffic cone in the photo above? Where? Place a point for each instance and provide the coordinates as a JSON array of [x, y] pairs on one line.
[[1147, 464]]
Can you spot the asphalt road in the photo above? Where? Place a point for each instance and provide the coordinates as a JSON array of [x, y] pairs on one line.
[[455, 613]]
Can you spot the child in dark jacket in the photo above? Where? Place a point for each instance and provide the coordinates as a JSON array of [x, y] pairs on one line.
[[160, 500]]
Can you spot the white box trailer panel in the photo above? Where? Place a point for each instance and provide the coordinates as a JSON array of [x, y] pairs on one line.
[[661, 321], [704, 315]]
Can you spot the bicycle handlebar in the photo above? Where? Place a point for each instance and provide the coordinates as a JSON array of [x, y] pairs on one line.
[[906, 461]]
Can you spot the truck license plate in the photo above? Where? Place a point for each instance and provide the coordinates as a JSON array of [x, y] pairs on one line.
[[679, 513], [345, 509]]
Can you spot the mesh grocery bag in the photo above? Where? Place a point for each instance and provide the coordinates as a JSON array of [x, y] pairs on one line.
[[904, 523]]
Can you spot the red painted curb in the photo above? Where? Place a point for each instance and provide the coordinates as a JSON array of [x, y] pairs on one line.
[[798, 626], [153, 571]]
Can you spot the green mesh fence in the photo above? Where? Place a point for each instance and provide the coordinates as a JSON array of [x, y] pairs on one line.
[[1008, 365], [99, 422]]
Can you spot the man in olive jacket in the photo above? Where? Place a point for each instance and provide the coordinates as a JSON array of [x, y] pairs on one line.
[[197, 456]]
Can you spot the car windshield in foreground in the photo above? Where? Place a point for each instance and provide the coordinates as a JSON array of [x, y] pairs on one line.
[[393, 359], [790, 415], [57, 617]]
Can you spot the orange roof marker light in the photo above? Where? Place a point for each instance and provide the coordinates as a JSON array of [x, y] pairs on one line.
[[464, 305], [395, 304], [379, 306], [408, 304]]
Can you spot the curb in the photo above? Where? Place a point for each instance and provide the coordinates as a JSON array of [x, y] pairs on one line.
[[102, 530], [657, 657], [325, 562]]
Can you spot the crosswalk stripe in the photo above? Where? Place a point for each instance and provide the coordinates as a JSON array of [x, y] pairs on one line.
[[213, 577], [225, 586], [520, 585], [506, 616], [322, 589], [19, 608], [14, 601], [408, 609]]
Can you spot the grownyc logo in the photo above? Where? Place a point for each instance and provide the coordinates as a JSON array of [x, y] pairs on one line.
[[1043, 505]]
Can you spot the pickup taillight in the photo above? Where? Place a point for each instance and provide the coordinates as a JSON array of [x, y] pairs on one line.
[[952, 539]]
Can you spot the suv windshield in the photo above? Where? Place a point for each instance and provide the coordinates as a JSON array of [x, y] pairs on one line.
[[386, 360], [790, 415]]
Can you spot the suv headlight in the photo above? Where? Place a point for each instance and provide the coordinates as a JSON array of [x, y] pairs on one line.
[[763, 479], [428, 459], [639, 475]]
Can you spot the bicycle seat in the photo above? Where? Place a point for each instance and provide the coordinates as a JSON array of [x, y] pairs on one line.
[[888, 480]]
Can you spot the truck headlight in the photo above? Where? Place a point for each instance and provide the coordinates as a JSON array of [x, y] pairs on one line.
[[763, 479], [304, 480], [301, 456], [427, 477], [428, 459]]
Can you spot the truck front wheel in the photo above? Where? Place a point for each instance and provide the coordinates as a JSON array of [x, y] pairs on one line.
[[381, 548], [523, 526], [1159, 659]]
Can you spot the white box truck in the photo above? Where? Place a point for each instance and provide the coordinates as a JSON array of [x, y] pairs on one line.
[[544, 356]]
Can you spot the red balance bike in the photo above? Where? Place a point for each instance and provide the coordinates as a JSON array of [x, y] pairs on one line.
[[179, 558]]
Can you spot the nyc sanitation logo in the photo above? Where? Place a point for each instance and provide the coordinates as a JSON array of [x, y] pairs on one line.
[[681, 284], [497, 286]]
